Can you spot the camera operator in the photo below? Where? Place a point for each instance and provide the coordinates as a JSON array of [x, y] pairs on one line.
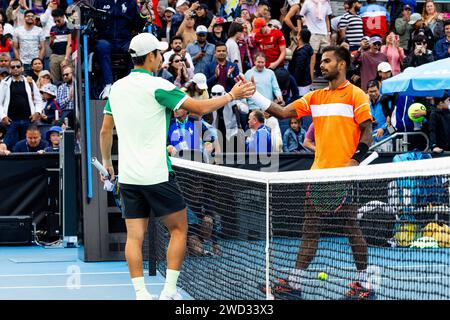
[[114, 34]]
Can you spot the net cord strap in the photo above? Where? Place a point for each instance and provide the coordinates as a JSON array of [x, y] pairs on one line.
[[267, 248]]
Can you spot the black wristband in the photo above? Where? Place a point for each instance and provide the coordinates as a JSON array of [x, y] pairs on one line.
[[360, 152]]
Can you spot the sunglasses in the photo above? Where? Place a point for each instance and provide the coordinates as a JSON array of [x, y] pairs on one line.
[[376, 44], [15, 67], [176, 61], [214, 94]]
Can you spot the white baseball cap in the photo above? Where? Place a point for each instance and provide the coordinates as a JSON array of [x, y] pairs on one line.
[[200, 80], [414, 18], [170, 9], [218, 89], [384, 67], [181, 2], [50, 89], [144, 43], [201, 29]]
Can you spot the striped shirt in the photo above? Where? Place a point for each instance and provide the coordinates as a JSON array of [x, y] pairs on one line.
[[353, 25], [337, 115]]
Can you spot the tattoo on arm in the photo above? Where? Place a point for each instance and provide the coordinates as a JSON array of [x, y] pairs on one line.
[[366, 132]]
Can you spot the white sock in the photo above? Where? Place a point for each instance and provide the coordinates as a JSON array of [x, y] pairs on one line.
[[141, 290], [170, 287], [361, 277], [297, 278]]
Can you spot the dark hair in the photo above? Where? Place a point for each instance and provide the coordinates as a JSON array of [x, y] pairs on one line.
[[5, 18], [192, 88], [176, 38], [373, 83], [234, 29], [29, 11], [33, 127], [3, 130], [17, 60], [259, 54], [341, 54], [446, 23], [138, 61], [259, 115], [263, 3], [32, 61], [58, 12], [420, 38], [220, 44], [305, 34], [174, 71]]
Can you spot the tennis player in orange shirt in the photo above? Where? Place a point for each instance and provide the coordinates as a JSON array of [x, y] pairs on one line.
[[343, 131]]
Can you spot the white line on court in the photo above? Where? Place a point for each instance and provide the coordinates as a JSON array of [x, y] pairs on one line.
[[58, 274], [82, 286]]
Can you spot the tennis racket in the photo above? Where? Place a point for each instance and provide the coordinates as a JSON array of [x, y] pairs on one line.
[[328, 198], [110, 186]]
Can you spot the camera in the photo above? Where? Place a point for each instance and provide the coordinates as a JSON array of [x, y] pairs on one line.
[[193, 14]]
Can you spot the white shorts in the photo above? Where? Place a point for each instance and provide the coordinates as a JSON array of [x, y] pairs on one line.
[[319, 41]]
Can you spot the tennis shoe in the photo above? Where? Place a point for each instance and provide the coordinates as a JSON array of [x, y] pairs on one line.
[[282, 290], [174, 296], [358, 292]]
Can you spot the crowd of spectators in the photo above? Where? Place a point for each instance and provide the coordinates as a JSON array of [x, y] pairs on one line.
[[36, 88], [276, 43]]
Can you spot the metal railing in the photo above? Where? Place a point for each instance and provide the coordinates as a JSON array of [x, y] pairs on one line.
[[401, 141]]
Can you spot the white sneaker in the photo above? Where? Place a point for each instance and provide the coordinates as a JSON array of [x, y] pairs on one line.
[[105, 93], [174, 296]]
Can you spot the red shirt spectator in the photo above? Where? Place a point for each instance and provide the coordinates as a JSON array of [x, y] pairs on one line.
[[272, 43]]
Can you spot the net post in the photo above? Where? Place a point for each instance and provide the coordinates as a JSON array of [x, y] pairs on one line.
[[268, 293]]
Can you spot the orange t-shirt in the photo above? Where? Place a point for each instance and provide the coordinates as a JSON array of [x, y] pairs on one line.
[[336, 115]]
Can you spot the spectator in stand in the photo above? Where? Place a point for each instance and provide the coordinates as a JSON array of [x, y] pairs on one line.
[[177, 47], [181, 74], [152, 28], [15, 12], [47, 22], [201, 51], [433, 19], [421, 54], [263, 10], [114, 35], [265, 79], [369, 61], [246, 46], [442, 46], [216, 33], [316, 14], [293, 137], [186, 29], [60, 43], [4, 72], [351, 26], [65, 95], [20, 104], [8, 29], [245, 15], [172, 3], [36, 67], [384, 72], [299, 66], [51, 109], [4, 60], [419, 27], [44, 78], [181, 7], [3, 147], [5, 41], [394, 53], [260, 141], [375, 19], [439, 125], [248, 5], [379, 123], [53, 137], [292, 23], [28, 42], [235, 32], [221, 71], [310, 142], [403, 27], [197, 88], [32, 142], [203, 17], [271, 42], [167, 23]]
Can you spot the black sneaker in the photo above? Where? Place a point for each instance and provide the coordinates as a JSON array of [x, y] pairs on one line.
[[281, 290]]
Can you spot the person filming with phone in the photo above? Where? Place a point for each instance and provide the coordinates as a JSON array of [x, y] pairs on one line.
[[420, 54]]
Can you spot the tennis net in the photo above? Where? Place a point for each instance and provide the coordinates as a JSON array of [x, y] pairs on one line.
[[246, 227]]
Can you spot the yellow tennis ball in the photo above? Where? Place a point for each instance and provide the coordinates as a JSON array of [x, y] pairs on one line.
[[322, 276]]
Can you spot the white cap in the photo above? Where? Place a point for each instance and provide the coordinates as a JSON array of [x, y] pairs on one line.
[[50, 89], [200, 80], [181, 2], [201, 29], [276, 23], [144, 43], [218, 89], [414, 18], [384, 67], [170, 9]]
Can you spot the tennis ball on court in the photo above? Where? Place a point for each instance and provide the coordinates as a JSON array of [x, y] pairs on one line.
[[322, 276], [416, 107]]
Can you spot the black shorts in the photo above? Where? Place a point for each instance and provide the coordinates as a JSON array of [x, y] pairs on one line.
[[162, 198]]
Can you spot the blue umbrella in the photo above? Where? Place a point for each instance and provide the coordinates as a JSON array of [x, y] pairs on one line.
[[427, 80]]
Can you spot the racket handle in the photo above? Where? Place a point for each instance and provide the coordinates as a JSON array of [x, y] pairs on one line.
[[100, 167], [369, 159]]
